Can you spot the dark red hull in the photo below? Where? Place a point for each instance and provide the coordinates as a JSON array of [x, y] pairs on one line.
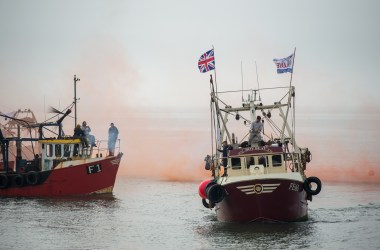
[[84, 179], [263, 200]]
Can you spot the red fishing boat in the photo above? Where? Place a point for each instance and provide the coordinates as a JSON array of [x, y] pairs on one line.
[[59, 166], [264, 176]]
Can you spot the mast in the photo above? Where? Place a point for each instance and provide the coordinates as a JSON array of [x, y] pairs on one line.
[[241, 67], [291, 92], [291, 76], [75, 99]]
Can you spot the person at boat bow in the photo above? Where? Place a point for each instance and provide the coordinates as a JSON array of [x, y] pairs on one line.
[[255, 132], [113, 132], [224, 152]]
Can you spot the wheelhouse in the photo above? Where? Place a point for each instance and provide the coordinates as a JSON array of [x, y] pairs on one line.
[[253, 161], [55, 152]]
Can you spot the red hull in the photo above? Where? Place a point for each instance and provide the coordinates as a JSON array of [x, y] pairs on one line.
[[263, 200], [72, 180]]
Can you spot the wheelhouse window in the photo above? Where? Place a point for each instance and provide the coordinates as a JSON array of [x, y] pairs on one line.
[[251, 161], [263, 161], [58, 152], [49, 150], [76, 150], [67, 150], [236, 163], [276, 160]]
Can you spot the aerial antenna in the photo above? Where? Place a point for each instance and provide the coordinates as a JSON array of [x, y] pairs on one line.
[[75, 98], [241, 67], [257, 79], [44, 108]]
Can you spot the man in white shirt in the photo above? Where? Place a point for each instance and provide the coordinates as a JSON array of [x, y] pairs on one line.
[[255, 132]]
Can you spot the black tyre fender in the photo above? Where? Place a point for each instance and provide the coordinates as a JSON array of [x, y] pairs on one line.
[[32, 178], [215, 193], [207, 205], [307, 186], [18, 180], [3, 181]]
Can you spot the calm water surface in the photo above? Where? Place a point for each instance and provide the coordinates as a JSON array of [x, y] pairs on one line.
[[151, 214]]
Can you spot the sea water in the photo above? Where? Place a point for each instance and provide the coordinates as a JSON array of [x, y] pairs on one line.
[[153, 214]]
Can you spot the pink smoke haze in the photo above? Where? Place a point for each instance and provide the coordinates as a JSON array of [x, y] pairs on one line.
[[170, 143], [344, 146]]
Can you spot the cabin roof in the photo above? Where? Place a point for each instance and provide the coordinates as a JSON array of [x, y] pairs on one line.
[[255, 151]]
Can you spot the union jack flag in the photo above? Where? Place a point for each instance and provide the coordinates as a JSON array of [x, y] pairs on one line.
[[206, 62]]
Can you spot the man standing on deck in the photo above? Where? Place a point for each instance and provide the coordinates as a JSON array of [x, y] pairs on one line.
[[79, 133], [86, 130], [224, 152], [255, 132], [113, 132]]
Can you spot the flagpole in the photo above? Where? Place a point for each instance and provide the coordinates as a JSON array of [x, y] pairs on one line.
[[75, 99], [216, 85], [216, 103], [294, 107], [291, 76]]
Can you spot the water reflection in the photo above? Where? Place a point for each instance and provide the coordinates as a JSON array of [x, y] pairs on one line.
[[52, 221], [102, 200], [257, 235]]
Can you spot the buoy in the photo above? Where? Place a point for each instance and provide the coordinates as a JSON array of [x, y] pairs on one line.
[[210, 190], [202, 188]]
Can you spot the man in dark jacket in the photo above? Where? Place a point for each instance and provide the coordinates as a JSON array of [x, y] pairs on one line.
[[79, 133], [224, 152]]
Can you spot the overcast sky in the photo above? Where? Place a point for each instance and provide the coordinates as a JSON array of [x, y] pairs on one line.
[[138, 59]]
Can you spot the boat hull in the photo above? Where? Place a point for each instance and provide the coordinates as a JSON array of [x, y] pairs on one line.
[[280, 200], [97, 176]]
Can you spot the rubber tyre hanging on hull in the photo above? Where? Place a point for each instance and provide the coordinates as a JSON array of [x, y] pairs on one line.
[[215, 193], [32, 178], [207, 205], [18, 180], [3, 181], [307, 185]]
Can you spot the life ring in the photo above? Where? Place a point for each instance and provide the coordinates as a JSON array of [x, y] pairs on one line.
[[207, 205], [32, 178], [18, 180], [307, 185], [3, 181]]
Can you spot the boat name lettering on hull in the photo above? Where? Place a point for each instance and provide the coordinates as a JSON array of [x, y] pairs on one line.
[[247, 150], [93, 169], [116, 161], [294, 187]]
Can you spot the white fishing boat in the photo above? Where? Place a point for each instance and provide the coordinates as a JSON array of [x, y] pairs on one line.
[[265, 177]]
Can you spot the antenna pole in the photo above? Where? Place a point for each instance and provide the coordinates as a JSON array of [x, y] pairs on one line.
[[257, 79], [241, 67], [291, 94], [75, 99]]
